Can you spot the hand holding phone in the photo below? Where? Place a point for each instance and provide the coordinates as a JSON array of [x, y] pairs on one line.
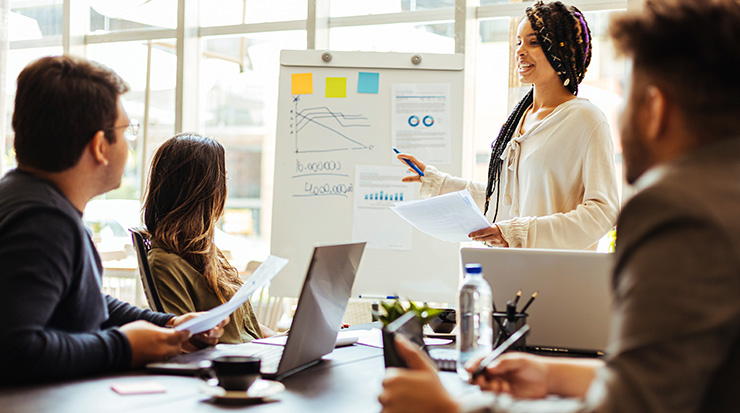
[[410, 327]]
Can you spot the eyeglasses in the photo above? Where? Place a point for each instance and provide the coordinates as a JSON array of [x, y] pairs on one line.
[[131, 132]]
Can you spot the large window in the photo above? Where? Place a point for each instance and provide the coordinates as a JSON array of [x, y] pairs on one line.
[[237, 106], [237, 47], [34, 30]]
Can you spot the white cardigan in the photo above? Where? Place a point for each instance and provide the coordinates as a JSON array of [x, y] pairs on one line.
[[558, 184]]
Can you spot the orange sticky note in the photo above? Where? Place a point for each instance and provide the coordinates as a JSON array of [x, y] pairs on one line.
[[301, 83], [336, 87]]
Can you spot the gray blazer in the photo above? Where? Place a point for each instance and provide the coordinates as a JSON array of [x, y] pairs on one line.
[[675, 333]]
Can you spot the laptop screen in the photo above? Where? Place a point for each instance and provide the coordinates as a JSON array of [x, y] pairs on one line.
[[321, 305], [573, 305]]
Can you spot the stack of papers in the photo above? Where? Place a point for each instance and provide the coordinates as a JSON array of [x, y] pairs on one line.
[[449, 217]]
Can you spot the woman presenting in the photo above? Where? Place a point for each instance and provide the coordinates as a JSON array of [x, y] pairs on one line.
[[551, 176]]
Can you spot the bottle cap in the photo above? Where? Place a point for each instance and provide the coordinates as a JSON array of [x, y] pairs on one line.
[[473, 268]]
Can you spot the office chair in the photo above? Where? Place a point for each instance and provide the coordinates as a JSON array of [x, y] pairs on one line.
[[142, 245]]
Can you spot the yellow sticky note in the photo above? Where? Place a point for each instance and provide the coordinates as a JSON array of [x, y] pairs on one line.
[[301, 83], [336, 87]]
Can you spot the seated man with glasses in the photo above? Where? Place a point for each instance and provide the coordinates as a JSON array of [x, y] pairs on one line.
[[54, 321]]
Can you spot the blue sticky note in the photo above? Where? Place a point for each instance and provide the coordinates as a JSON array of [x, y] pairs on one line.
[[368, 82]]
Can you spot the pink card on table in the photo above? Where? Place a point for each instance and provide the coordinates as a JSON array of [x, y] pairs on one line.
[[138, 387]]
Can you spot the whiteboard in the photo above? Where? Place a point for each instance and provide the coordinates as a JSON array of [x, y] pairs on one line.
[[321, 144]]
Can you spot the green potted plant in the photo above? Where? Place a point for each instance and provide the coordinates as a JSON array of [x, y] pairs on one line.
[[395, 310]]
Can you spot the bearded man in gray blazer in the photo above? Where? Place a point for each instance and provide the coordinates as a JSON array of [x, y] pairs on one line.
[[675, 343]]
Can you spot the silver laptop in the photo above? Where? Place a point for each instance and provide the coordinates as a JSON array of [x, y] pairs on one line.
[[313, 332], [572, 308]]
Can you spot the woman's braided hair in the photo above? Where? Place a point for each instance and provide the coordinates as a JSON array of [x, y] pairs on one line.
[[565, 39]]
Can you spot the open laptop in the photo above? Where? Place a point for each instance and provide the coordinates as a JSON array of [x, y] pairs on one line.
[[572, 308], [313, 332]]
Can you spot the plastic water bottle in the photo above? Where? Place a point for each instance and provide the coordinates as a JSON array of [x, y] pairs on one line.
[[474, 323]]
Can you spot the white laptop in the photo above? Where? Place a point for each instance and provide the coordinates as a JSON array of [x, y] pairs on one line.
[[313, 333], [573, 306]]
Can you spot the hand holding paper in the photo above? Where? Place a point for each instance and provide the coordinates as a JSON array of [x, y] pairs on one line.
[[263, 274], [449, 217]]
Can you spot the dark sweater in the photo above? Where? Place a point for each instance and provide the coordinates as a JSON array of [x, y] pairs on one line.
[[54, 321]]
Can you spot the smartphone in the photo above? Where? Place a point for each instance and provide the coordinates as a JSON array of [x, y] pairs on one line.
[[408, 325]]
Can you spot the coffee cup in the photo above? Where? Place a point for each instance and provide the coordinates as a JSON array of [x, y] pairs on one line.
[[235, 373]]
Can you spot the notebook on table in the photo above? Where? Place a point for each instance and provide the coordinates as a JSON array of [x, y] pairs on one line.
[[572, 309], [313, 332]]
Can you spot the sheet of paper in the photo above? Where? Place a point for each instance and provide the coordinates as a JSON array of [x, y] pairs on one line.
[[274, 340], [449, 217], [261, 276], [370, 337], [374, 338], [281, 339], [421, 121], [430, 341], [377, 189]]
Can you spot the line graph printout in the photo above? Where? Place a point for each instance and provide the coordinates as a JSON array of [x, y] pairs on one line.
[[421, 119], [319, 128]]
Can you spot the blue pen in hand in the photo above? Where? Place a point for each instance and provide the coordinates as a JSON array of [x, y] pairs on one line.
[[411, 164]]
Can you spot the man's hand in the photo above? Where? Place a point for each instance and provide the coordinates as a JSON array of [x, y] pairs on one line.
[[419, 164], [490, 236], [532, 377], [416, 389], [521, 375], [150, 342], [201, 340]]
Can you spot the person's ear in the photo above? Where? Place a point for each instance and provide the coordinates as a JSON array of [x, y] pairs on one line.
[[654, 113], [98, 147]]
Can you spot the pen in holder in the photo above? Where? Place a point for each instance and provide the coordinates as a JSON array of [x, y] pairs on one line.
[[505, 324]]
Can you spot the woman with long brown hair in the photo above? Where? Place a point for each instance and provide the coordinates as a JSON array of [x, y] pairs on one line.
[[185, 198]]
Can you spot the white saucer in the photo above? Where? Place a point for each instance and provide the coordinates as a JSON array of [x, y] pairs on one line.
[[259, 390]]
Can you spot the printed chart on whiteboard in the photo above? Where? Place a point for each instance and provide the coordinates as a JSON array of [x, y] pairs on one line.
[[336, 175], [421, 121], [377, 189]]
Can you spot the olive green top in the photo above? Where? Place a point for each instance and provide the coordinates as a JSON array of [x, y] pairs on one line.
[[182, 290]]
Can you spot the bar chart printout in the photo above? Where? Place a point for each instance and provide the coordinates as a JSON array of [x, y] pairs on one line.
[[377, 189], [380, 196]]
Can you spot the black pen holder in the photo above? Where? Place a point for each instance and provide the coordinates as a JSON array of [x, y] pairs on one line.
[[504, 327]]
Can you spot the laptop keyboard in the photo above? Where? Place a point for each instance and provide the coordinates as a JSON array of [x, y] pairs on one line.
[[445, 358], [268, 354]]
